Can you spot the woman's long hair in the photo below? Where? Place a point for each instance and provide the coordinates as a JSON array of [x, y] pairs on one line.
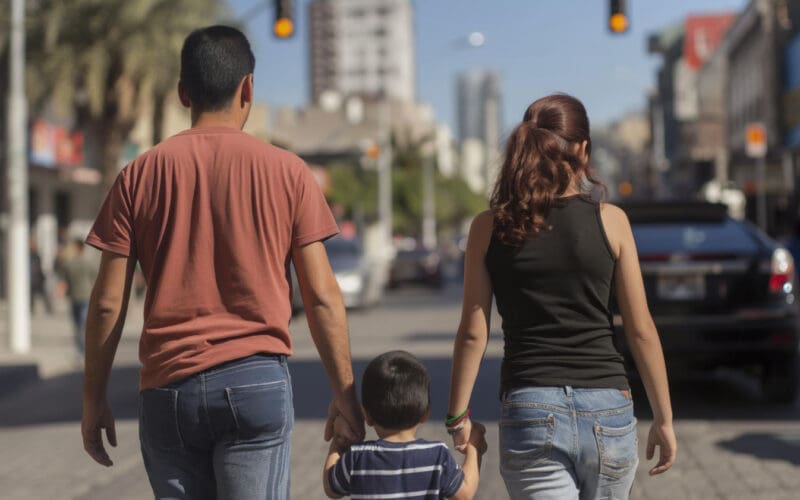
[[541, 163]]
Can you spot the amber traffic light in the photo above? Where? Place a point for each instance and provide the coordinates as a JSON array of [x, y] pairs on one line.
[[283, 27], [618, 16]]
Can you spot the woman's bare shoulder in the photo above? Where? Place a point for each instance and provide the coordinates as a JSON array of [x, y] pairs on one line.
[[481, 228], [614, 218]]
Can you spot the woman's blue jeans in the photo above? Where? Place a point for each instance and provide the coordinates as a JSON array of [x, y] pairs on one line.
[[221, 434], [564, 443]]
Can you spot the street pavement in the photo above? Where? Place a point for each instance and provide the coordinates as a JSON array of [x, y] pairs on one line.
[[731, 444]]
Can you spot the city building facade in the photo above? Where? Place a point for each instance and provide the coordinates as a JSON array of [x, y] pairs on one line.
[[363, 48]]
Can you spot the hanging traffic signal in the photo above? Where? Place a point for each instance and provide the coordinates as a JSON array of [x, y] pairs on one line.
[[283, 27], [617, 16]]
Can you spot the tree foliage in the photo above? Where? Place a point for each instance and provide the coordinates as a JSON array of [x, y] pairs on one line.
[[103, 60], [355, 190]]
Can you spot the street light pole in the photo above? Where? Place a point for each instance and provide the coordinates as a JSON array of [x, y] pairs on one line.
[[18, 268], [428, 205], [385, 169]]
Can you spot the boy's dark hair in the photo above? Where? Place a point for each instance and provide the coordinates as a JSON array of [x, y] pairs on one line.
[[395, 390], [213, 62]]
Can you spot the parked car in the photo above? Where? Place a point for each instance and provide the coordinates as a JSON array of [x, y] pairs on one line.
[[358, 283], [722, 293], [417, 265]]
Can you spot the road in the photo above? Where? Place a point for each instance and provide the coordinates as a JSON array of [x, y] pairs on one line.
[[731, 444]]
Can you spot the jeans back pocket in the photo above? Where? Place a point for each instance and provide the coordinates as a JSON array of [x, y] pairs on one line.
[[158, 416], [524, 442], [260, 411], [618, 449]]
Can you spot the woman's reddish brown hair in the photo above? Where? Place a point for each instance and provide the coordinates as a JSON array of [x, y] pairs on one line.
[[541, 163]]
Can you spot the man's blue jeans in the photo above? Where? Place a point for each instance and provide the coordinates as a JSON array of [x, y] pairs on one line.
[[223, 433]]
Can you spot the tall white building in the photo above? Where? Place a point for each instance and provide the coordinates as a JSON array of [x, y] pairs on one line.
[[479, 121], [362, 47]]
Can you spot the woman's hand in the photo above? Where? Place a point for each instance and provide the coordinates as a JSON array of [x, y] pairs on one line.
[[663, 436], [461, 437]]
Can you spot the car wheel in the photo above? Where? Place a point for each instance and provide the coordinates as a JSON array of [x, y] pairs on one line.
[[781, 380]]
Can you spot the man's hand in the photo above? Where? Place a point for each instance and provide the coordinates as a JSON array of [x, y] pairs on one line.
[[345, 425], [97, 416]]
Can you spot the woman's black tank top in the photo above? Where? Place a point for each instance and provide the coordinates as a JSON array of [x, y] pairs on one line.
[[553, 294]]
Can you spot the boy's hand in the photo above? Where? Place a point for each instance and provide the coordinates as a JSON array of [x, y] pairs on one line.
[[477, 437]]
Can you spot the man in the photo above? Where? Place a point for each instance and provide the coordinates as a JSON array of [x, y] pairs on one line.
[[78, 272], [214, 217]]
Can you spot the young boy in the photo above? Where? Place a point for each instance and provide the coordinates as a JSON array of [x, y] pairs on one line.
[[395, 398]]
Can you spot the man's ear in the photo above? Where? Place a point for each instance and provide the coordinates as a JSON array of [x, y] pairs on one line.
[[183, 96], [247, 90]]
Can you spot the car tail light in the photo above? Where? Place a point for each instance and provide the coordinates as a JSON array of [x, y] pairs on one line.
[[781, 271]]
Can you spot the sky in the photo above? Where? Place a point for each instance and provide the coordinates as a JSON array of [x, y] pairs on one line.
[[536, 46]]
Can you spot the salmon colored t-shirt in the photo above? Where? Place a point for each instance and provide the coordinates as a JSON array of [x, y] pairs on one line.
[[212, 215]]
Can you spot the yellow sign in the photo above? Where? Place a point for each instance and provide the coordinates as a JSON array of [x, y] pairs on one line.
[[756, 140]]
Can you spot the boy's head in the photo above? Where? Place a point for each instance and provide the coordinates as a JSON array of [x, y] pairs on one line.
[[395, 391]]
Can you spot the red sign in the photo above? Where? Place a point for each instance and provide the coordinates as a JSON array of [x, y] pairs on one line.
[[703, 35], [53, 146]]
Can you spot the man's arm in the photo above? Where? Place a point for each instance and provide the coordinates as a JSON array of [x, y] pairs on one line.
[[104, 323], [327, 321]]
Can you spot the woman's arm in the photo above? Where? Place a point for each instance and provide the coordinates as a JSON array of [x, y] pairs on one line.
[[473, 331], [641, 335]]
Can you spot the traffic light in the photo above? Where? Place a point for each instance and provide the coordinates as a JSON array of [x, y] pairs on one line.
[[283, 27], [617, 16]]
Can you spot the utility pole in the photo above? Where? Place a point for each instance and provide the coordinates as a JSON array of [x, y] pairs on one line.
[[18, 268], [385, 169], [428, 205]]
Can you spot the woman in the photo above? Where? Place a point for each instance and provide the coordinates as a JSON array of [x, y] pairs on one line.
[[550, 254]]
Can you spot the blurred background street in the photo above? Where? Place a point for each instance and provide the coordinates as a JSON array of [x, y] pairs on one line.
[[401, 109]]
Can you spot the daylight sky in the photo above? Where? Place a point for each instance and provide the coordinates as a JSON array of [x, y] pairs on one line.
[[537, 47]]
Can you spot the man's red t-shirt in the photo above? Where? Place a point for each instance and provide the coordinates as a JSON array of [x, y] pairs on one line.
[[212, 215]]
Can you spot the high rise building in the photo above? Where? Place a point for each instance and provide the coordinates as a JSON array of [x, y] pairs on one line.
[[362, 47], [479, 119]]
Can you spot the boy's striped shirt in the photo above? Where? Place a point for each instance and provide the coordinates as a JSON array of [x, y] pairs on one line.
[[384, 470]]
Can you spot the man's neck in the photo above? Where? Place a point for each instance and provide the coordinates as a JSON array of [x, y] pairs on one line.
[[217, 119]]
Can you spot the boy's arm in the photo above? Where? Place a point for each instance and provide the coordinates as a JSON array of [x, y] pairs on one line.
[[473, 454], [471, 468], [333, 458]]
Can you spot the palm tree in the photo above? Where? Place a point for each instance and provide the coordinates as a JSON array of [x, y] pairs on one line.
[[103, 60]]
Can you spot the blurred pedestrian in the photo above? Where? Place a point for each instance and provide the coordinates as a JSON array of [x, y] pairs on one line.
[[38, 280], [215, 216], [549, 253], [78, 272]]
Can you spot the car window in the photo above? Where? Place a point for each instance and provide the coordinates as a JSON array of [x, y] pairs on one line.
[[729, 237]]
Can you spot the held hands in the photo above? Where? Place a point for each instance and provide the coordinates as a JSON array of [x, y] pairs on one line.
[[472, 433], [97, 416], [345, 425], [663, 436]]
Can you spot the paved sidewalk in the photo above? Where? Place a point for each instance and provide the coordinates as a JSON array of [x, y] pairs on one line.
[[731, 444]]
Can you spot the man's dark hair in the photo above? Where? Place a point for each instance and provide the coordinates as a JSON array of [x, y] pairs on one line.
[[395, 390], [213, 62]]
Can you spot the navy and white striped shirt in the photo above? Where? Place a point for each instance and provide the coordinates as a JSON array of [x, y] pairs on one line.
[[384, 470]]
